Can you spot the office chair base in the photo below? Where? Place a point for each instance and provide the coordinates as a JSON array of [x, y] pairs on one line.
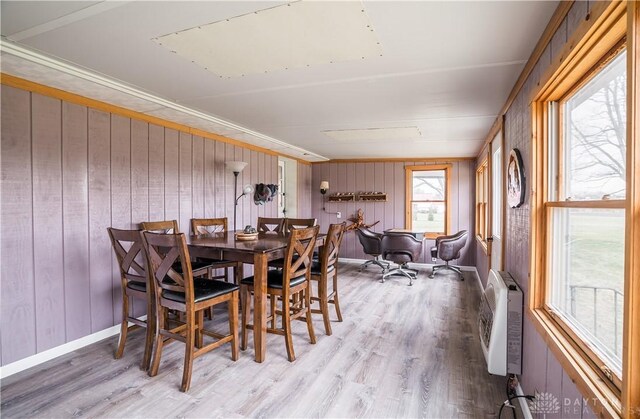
[[376, 261], [402, 270], [447, 266]]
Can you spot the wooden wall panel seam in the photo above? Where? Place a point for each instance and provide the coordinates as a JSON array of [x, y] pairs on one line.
[[108, 170], [28, 85]]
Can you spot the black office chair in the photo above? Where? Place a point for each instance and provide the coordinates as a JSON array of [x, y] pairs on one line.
[[370, 242], [448, 248], [401, 248]]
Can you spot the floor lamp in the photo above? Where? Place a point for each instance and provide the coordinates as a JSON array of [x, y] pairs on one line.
[[236, 167]]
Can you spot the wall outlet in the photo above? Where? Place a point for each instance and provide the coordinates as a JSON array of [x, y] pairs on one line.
[[338, 214]]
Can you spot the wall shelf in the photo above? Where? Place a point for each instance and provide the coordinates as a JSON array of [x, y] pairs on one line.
[[361, 196], [372, 196], [342, 197]]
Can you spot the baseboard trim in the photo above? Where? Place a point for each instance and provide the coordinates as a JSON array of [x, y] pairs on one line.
[[42, 357], [524, 406], [477, 275]]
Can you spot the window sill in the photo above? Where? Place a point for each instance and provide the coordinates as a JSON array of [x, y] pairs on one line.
[[483, 245], [600, 397]]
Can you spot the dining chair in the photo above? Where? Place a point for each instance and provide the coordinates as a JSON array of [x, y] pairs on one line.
[[127, 246], [371, 245], [292, 223], [199, 268], [288, 225], [291, 285], [448, 248], [401, 248], [268, 225], [207, 227], [180, 291], [326, 269]]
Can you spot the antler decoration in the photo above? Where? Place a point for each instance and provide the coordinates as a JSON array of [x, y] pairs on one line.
[[358, 221]]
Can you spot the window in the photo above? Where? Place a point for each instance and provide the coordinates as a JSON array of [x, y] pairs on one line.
[[496, 191], [482, 198], [586, 212], [427, 199], [581, 259]]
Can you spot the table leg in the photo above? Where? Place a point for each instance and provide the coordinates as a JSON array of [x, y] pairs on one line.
[[260, 305]]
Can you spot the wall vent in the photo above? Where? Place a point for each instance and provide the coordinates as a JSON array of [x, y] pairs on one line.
[[500, 324]]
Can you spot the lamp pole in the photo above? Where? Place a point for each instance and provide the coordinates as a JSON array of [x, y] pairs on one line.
[[236, 167], [235, 207]]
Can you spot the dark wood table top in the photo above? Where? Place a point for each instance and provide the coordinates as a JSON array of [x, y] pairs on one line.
[[266, 242], [272, 244]]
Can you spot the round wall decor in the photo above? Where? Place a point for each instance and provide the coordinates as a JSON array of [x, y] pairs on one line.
[[515, 179]]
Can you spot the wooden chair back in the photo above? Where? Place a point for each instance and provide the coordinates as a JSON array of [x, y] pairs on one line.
[[266, 225], [331, 248], [299, 252], [168, 226], [208, 226], [163, 252], [128, 247], [298, 223]]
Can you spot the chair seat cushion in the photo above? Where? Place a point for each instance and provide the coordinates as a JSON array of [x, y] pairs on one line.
[[137, 286], [274, 280], [278, 263], [203, 289], [399, 257], [316, 268]]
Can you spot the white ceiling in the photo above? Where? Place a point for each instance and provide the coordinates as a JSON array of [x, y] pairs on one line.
[[446, 68]]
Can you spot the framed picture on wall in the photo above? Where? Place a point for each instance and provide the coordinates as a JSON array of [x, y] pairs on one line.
[[515, 179]]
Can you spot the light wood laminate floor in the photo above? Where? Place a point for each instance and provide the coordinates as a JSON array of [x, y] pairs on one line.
[[400, 352]]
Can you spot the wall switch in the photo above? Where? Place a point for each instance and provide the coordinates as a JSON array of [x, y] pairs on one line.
[[338, 215]]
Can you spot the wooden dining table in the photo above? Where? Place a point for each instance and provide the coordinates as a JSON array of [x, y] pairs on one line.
[[258, 252]]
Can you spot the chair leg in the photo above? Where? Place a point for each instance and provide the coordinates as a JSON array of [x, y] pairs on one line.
[[446, 266], [336, 301], [238, 272], [273, 299], [324, 304], [312, 335], [233, 324], [246, 305], [162, 318], [199, 328], [286, 325], [458, 270], [149, 336], [376, 261], [209, 313], [188, 352], [404, 271], [124, 326]]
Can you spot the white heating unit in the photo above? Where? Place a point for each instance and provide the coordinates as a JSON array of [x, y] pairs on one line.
[[500, 324]]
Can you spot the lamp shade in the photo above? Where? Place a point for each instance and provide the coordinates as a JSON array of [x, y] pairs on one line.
[[236, 166], [324, 185], [248, 189]]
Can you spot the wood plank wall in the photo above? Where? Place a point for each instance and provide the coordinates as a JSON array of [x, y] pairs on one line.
[[68, 173], [389, 177], [541, 370], [305, 190]]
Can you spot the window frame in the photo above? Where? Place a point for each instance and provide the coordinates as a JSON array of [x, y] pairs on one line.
[[482, 204], [409, 196], [614, 381], [590, 47]]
